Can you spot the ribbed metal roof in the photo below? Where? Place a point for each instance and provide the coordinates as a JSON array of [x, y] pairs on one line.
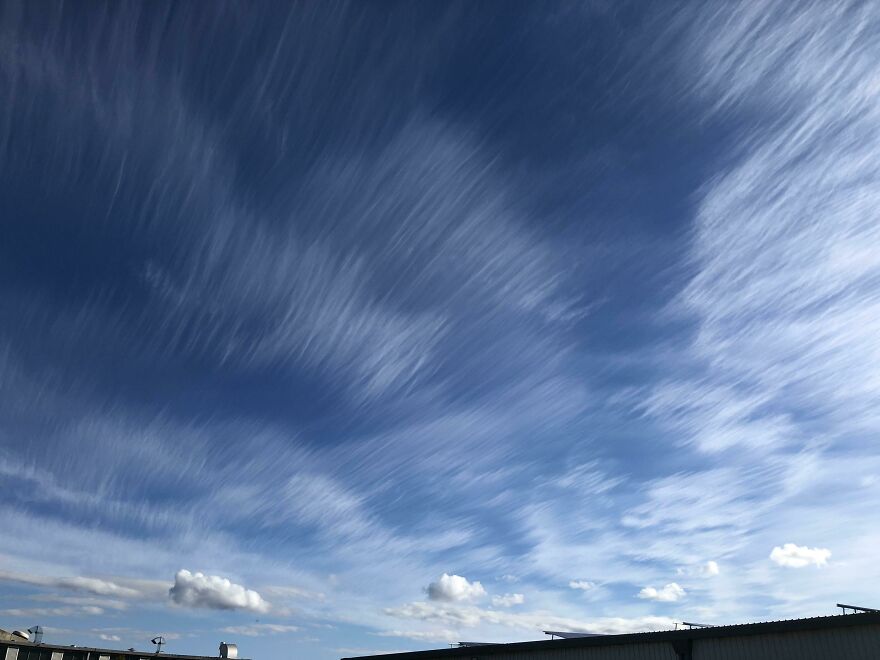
[[111, 652], [698, 635]]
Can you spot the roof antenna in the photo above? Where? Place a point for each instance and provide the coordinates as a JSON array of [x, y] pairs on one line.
[[158, 641]]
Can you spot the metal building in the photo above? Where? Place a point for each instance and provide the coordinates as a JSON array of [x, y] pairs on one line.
[[844, 637], [11, 649]]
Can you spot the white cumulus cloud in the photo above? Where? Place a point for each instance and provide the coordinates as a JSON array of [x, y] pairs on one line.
[[455, 588], [798, 556], [508, 600], [583, 585], [214, 592], [668, 594]]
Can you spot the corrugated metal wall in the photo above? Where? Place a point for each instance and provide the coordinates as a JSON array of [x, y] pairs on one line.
[[856, 643], [850, 643]]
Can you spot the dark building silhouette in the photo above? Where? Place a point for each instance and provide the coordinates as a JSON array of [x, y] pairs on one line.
[[843, 637]]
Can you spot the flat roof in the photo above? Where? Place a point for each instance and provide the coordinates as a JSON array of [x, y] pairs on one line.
[[761, 628], [100, 651]]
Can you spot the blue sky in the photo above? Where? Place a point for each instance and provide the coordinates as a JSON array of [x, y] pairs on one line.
[[340, 328]]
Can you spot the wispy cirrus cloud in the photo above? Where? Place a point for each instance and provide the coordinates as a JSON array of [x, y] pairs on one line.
[[84, 601], [298, 356], [470, 616], [79, 610], [422, 635], [117, 587], [782, 294], [243, 290], [258, 629], [705, 570]]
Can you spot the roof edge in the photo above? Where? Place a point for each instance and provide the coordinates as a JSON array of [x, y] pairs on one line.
[[760, 628]]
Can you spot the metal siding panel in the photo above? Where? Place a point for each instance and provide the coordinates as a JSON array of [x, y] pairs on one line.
[[830, 642], [708, 649], [853, 643], [865, 646], [11, 653], [856, 643]]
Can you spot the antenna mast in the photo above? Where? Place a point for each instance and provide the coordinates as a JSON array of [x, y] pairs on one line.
[[158, 641]]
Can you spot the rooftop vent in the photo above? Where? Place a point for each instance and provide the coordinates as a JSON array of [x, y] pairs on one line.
[[228, 650]]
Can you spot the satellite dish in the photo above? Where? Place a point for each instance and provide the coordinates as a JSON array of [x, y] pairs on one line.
[[158, 641]]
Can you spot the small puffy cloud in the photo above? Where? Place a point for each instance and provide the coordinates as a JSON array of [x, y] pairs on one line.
[[798, 556], [508, 577], [260, 629], [455, 588], [508, 600], [583, 585], [214, 592], [668, 594], [110, 638], [709, 569]]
